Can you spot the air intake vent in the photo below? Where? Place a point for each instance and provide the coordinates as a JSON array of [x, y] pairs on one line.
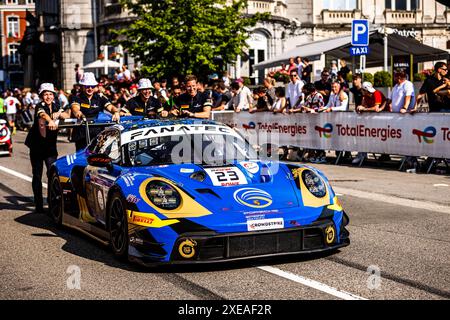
[[207, 191]]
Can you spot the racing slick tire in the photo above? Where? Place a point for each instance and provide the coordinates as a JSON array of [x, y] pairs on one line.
[[118, 226], [55, 199]]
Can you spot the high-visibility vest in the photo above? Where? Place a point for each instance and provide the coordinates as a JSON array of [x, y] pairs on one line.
[[2, 106]]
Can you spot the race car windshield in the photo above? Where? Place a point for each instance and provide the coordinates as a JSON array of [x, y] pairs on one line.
[[206, 149]]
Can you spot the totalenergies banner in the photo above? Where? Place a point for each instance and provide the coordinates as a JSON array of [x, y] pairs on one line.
[[421, 134]]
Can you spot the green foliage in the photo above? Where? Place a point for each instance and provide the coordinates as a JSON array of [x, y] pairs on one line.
[[178, 37], [382, 79], [247, 81], [368, 77], [282, 77], [419, 77]]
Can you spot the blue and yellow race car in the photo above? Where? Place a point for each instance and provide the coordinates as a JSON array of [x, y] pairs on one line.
[[192, 191]]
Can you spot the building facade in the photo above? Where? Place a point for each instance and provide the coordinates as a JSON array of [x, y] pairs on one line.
[[425, 20], [13, 25]]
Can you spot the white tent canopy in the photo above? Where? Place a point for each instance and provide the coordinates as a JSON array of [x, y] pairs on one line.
[[100, 64], [310, 50]]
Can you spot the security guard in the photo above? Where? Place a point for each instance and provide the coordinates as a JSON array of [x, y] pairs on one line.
[[193, 103], [41, 139], [88, 104], [144, 104]]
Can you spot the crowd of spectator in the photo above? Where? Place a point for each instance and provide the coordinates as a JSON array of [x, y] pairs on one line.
[[195, 97]]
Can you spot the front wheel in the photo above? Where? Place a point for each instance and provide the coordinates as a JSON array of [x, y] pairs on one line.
[[55, 199], [118, 226]]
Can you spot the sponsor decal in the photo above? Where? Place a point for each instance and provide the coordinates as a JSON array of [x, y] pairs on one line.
[[253, 197], [171, 130], [186, 170], [226, 176], [366, 132], [71, 158], [265, 224], [131, 198], [446, 134], [250, 125], [186, 249], [425, 135], [325, 131], [129, 180], [148, 219], [142, 220], [100, 200], [251, 167], [330, 234], [291, 129]]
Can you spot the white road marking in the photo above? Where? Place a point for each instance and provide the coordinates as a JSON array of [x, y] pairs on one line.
[[440, 185], [312, 283], [19, 175], [418, 204]]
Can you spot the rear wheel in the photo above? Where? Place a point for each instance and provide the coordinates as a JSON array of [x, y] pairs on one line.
[[55, 199], [118, 226]]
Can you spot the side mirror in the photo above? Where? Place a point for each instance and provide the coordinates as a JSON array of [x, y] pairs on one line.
[[99, 160]]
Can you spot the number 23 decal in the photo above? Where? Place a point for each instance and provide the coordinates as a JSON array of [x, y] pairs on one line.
[[229, 176]]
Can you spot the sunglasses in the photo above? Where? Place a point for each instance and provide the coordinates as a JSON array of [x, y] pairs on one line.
[[294, 75], [90, 87]]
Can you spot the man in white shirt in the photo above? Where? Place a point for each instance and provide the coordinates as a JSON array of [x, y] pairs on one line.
[[245, 96], [300, 65], [338, 99], [402, 96], [294, 92], [11, 104]]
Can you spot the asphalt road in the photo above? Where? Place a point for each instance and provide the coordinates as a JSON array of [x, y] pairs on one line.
[[399, 225]]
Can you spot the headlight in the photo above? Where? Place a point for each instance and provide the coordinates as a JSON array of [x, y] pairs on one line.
[[314, 183], [3, 132], [163, 195]]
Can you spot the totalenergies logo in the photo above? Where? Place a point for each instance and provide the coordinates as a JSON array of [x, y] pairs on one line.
[[325, 131], [250, 125], [427, 134]]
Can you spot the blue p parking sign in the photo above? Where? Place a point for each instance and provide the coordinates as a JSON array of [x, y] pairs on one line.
[[360, 33]]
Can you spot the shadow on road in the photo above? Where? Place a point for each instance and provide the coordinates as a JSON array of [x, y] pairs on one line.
[[81, 245]]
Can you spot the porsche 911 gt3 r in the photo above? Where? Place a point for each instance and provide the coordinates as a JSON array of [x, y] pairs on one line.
[[192, 191]]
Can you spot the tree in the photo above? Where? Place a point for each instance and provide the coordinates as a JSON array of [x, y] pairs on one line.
[[176, 37]]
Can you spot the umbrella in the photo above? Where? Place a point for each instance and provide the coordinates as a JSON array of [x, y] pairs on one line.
[[100, 64]]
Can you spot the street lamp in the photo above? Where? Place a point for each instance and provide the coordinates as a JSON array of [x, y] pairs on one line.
[[385, 31]]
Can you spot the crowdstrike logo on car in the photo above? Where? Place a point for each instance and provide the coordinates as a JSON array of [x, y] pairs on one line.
[[325, 131], [425, 135]]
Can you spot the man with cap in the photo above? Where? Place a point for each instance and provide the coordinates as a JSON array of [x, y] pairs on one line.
[[88, 104], [373, 100], [41, 139], [144, 104]]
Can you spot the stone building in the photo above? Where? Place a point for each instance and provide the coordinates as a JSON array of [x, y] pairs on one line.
[[13, 24], [425, 20]]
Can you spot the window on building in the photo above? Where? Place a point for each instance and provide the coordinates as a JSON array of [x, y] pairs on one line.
[[12, 1], [13, 27], [402, 5], [340, 4], [31, 1], [13, 54]]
